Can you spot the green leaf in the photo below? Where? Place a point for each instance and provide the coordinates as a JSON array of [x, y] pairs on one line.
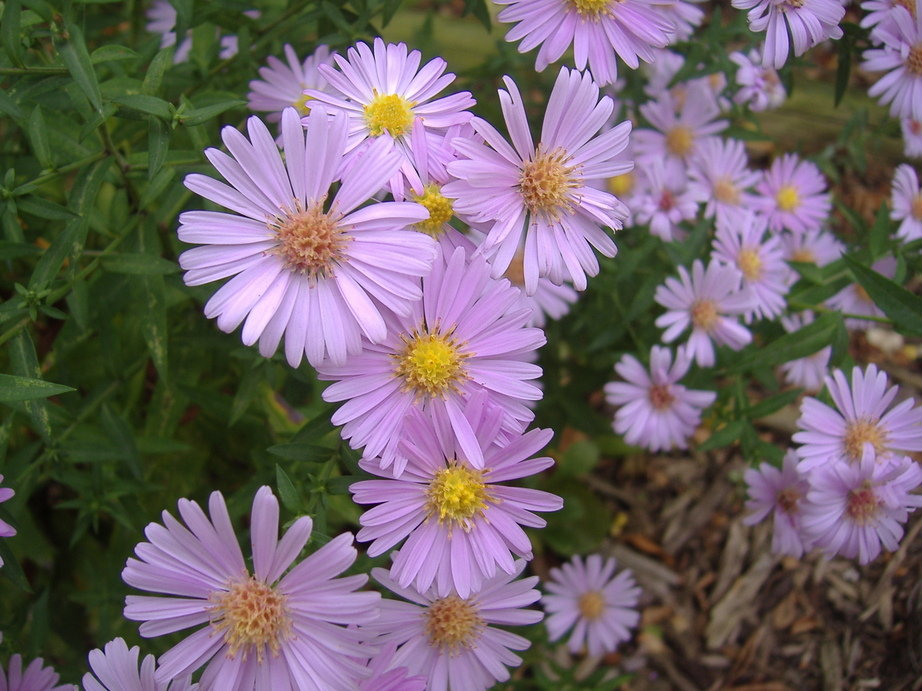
[[879, 236], [38, 135], [8, 106], [158, 143], [77, 60], [843, 69], [14, 388], [11, 568], [579, 458], [154, 323], [197, 116], [151, 105], [9, 31], [109, 53], [773, 403], [139, 264], [309, 453], [288, 493], [50, 262], [12, 250], [38, 206], [805, 341], [725, 436], [901, 306], [154, 78]]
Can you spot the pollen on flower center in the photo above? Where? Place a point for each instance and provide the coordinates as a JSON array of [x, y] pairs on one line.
[[914, 59], [704, 314], [787, 499], [679, 140], [430, 364], [916, 207], [750, 264], [546, 182], [389, 112], [591, 604], [660, 396], [592, 9], [861, 432], [301, 104], [252, 617], [452, 624], [725, 191], [456, 494], [804, 255], [787, 198], [621, 185], [310, 240], [439, 208], [862, 504]]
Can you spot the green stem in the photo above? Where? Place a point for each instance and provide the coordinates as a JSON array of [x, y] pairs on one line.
[[28, 187]]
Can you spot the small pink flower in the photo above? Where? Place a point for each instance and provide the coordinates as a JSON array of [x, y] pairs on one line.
[[906, 200], [779, 493], [794, 195]]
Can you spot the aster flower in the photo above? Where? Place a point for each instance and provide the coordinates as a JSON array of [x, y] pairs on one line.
[[720, 177], [384, 676], [322, 273], [6, 530], [666, 200], [854, 299], [809, 23], [880, 16], [818, 247], [466, 334], [906, 200], [453, 641], [383, 92], [656, 412], [901, 57], [707, 301], [760, 87], [912, 137], [679, 127], [597, 29], [282, 85], [35, 677], [794, 195], [860, 419], [544, 192], [256, 630], [807, 372], [684, 15], [117, 669], [741, 241], [589, 598], [853, 508], [779, 493], [460, 523]]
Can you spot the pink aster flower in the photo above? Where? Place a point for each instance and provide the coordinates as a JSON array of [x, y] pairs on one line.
[[760, 87], [901, 58], [854, 300], [720, 177], [853, 508], [912, 137], [860, 419], [808, 21], [666, 200], [794, 195], [779, 493], [116, 669], [545, 192], [466, 334], [597, 29], [708, 301], [808, 372], [453, 641], [589, 598], [275, 627], [384, 676], [6, 530], [685, 16], [282, 85], [656, 412], [906, 200], [460, 523], [881, 16], [818, 247], [321, 272], [742, 240], [35, 677], [679, 128], [383, 91]]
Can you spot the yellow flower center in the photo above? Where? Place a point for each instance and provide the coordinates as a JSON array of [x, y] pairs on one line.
[[456, 494], [252, 616], [679, 140], [750, 264], [452, 624], [704, 314], [310, 240], [787, 198], [804, 255], [390, 113], [430, 364], [592, 9], [861, 432], [546, 182], [725, 191], [591, 604], [301, 104], [862, 504], [439, 208], [660, 396], [621, 185]]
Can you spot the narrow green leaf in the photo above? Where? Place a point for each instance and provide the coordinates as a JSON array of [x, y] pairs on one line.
[[24, 364], [903, 307], [725, 436], [154, 323], [14, 388], [154, 78], [843, 69], [803, 342], [310, 453], [38, 135], [11, 568], [12, 250], [151, 105], [77, 60], [8, 106], [38, 206], [773, 403], [139, 264], [197, 116], [109, 53], [288, 493], [9, 31], [879, 236], [63, 246], [158, 143], [247, 390]]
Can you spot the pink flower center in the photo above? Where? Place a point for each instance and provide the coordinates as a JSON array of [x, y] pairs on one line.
[[452, 624], [310, 240], [666, 201], [252, 616], [704, 314], [660, 396], [546, 182], [591, 604], [861, 432], [862, 504], [679, 140], [787, 500]]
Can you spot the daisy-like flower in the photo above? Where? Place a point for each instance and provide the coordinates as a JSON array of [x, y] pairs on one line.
[[384, 676], [912, 137], [708, 301], [656, 412], [906, 199], [265, 629], [679, 130], [589, 598], [880, 16], [854, 299], [807, 372], [666, 200], [720, 177], [760, 87], [35, 677], [544, 192], [901, 57], [685, 16], [860, 419], [854, 507], [321, 272], [453, 641], [466, 334], [779, 493], [809, 23], [6, 530], [461, 524], [383, 91], [818, 247], [741, 241], [116, 669], [282, 85], [794, 195], [597, 29]]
